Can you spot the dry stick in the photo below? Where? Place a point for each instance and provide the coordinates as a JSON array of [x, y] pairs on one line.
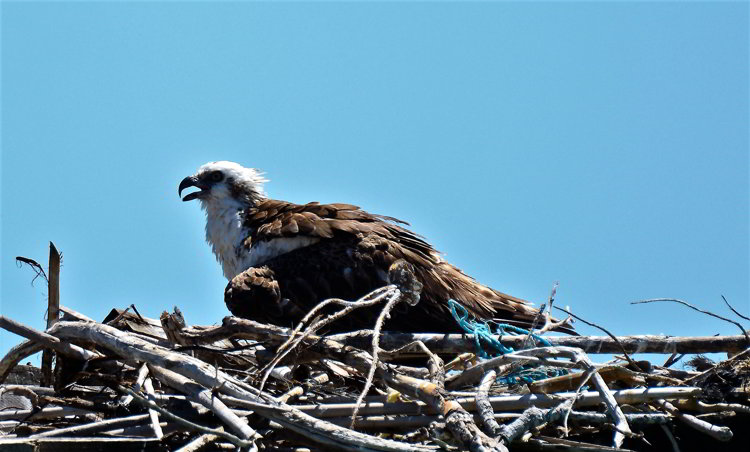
[[191, 425], [93, 427], [614, 338], [407, 422], [532, 417], [385, 313], [53, 313], [716, 432], [129, 345], [732, 308], [73, 315], [297, 391], [199, 442], [206, 398], [697, 405], [685, 303], [126, 399], [584, 380], [475, 373], [543, 313], [149, 387], [502, 403], [47, 340], [457, 343], [44, 413], [487, 416], [368, 300]]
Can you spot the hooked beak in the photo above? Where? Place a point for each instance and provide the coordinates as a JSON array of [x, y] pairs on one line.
[[191, 181]]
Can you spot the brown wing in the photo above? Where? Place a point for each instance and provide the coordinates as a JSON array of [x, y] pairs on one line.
[[355, 250]]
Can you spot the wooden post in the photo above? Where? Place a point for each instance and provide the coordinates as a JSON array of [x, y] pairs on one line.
[[53, 309]]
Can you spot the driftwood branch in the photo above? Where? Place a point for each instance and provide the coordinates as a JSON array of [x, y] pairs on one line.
[[447, 344]]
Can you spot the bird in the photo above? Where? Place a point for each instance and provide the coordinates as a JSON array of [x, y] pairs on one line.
[[282, 258]]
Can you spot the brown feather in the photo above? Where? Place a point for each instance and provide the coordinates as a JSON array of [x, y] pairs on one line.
[[352, 257]]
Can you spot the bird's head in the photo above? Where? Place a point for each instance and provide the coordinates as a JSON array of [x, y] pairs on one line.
[[224, 182]]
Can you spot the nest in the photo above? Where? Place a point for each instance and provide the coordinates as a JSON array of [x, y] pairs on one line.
[[158, 384]]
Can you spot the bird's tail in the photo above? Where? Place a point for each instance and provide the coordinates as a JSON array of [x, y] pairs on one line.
[[487, 303]]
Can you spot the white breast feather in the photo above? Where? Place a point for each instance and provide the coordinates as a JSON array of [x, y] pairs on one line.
[[226, 234], [261, 252]]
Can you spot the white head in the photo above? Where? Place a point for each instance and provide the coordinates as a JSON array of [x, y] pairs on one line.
[[225, 182]]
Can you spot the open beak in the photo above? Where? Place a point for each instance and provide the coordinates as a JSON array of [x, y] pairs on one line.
[[191, 181]]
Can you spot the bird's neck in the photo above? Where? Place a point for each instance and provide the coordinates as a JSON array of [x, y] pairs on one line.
[[225, 232]]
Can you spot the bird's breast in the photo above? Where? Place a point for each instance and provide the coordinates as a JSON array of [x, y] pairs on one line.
[[263, 251]]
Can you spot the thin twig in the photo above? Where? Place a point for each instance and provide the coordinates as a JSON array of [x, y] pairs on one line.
[[294, 339], [685, 303], [732, 308], [385, 313], [614, 338]]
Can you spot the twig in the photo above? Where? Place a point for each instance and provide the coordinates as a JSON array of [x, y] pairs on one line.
[[684, 303], [734, 310], [487, 416], [544, 311], [385, 313], [370, 299], [200, 442], [532, 417], [716, 432], [47, 340], [191, 425], [149, 387], [614, 338], [206, 398], [451, 344], [93, 427], [297, 391], [697, 405], [45, 413]]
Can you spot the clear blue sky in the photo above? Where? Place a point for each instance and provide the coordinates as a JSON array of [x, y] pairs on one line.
[[601, 145]]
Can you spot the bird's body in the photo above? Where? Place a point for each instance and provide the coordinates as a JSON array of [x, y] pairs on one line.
[[283, 258]]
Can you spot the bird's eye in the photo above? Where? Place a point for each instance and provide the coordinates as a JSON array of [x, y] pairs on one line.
[[217, 176]]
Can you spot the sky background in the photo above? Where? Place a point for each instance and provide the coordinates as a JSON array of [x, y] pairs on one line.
[[604, 146]]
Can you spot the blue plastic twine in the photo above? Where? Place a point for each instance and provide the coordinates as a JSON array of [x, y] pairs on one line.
[[483, 332]]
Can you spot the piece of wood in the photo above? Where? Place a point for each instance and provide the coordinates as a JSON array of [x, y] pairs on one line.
[[94, 444], [94, 426], [206, 398], [500, 403], [457, 343], [53, 310], [47, 340]]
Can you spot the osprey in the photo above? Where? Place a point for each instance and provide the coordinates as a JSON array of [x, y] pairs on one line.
[[282, 258]]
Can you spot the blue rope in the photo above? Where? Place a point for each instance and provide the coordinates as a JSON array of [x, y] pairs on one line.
[[484, 332]]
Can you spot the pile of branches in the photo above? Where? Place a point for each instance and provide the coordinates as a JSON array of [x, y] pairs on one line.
[[131, 381]]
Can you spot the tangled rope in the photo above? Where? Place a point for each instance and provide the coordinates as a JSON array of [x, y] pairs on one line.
[[490, 333]]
